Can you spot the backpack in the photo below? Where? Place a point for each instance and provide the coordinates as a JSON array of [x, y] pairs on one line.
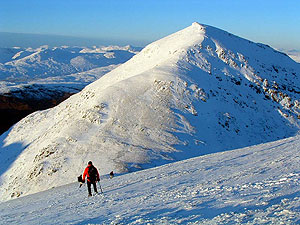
[[92, 172], [80, 179]]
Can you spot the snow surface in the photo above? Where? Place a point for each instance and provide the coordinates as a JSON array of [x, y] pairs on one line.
[[200, 90], [253, 185]]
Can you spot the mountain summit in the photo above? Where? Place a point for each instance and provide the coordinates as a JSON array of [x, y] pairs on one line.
[[197, 91]]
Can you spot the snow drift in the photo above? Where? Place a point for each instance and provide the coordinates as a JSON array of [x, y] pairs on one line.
[[200, 90]]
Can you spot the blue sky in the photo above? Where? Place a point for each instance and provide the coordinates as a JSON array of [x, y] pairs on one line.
[[273, 22]]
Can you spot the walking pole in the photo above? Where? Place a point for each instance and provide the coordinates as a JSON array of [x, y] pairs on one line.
[[100, 187]]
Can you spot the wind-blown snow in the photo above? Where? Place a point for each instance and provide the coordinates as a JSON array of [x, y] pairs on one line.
[[200, 90], [254, 185]]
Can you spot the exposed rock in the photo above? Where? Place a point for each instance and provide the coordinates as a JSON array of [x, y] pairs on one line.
[[13, 109]]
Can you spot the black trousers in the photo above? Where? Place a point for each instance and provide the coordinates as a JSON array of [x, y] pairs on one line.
[[89, 184]]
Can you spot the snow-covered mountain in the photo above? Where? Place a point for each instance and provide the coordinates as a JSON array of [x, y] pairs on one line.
[[254, 185], [62, 67], [200, 90], [37, 79]]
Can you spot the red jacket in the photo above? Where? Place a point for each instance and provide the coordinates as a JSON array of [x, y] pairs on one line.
[[85, 173]]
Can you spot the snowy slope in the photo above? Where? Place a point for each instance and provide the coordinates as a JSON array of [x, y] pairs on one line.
[[254, 185], [200, 90]]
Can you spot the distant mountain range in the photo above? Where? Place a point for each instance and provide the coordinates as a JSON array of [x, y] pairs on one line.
[[26, 40], [294, 54], [200, 90], [38, 78]]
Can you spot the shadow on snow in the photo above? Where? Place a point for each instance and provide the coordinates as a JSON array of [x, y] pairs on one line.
[[9, 153]]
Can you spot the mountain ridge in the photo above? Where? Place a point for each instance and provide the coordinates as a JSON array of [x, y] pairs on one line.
[[200, 90]]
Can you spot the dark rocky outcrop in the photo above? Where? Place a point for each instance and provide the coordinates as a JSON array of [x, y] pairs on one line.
[[13, 109]]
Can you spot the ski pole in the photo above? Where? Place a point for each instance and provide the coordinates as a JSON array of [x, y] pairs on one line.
[[100, 187]]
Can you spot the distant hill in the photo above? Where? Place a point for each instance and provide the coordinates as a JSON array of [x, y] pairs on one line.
[[294, 54]]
